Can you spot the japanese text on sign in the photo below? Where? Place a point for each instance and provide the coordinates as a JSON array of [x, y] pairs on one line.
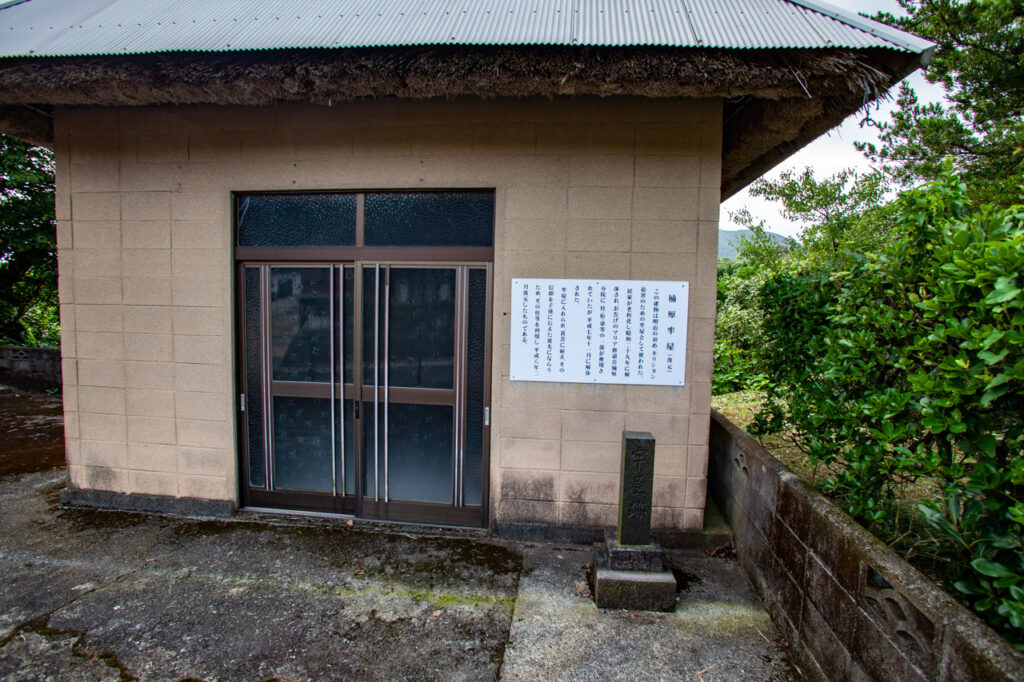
[[599, 331]]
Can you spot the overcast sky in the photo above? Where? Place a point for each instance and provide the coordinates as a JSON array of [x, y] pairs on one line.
[[832, 152]]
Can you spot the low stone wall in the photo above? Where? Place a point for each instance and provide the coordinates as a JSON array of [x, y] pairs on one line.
[[30, 368], [852, 608]]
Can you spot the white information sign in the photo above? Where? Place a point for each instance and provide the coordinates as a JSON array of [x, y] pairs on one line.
[[599, 331]]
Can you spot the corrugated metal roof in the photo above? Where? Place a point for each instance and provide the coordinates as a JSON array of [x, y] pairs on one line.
[[52, 28]]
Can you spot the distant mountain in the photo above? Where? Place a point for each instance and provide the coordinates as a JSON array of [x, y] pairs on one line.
[[729, 241]]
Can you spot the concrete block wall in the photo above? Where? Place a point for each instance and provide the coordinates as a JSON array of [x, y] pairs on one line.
[[585, 187], [851, 608]]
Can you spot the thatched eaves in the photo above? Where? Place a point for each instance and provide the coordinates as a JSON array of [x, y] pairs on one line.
[[778, 101]]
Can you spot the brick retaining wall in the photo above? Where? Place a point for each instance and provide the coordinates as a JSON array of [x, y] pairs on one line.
[[851, 607], [30, 368]]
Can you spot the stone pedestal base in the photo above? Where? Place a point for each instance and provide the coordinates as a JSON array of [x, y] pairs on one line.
[[633, 588]]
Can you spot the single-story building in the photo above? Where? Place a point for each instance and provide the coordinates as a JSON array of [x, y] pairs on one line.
[[407, 260]]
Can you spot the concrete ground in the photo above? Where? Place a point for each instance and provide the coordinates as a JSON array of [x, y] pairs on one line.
[[103, 595]]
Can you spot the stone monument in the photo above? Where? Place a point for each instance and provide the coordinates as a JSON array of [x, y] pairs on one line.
[[630, 570]]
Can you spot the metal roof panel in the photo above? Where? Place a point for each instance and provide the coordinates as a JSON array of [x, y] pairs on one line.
[[97, 27]]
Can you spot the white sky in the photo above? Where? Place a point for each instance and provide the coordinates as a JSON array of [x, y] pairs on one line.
[[830, 153]]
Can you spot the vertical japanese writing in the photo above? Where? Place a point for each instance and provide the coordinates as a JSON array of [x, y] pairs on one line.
[[641, 333], [536, 329], [589, 357], [602, 315], [655, 312], [615, 330], [563, 316], [549, 355]]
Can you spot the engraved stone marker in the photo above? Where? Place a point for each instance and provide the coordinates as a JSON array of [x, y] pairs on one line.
[[636, 488]]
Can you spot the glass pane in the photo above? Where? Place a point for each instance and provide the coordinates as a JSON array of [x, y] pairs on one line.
[[300, 324], [421, 342], [296, 219], [476, 331], [430, 219], [371, 333], [302, 444], [254, 379], [420, 452], [350, 460], [347, 320], [369, 480]]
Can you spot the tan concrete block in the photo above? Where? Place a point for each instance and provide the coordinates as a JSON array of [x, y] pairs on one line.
[[700, 368], [146, 263], [589, 488], [696, 493], [524, 484], [600, 203], [597, 265], [586, 138], [703, 300], [97, 290], [199, 349], [539, 395], [100, 345], [592, 457], [664, 236], [69, 398], [533, 235], [530, 423], [93, 318], [693, 519], [72, 427], [536, 202], [601, 171], [701, 335], [503, 138], [711, 171], [100, 373], [66, 288], [68, 344], [195, 405], [147, 234], [707, 271], [92, 149], [76, 476], [205, 487], [148, 347], [532, 264], [670, 110], [663, 266], [596, 397], [201, 264], [199, 321], [200, 378], [670, 460], [149, 375], [515, 510], [587, 515], [198, 293], [149, 177], [146, 206], [666, 517], [707, 240], [104, 478], [700, 403], [665, 203], [69, 371], [145, 291], [530, 453], [709, 203], [697, 464], [668, 139], [96, 177], [158, 430], [668, 171], [142, 402], [67, 317], [151, 457], [204, 434], [598, 235], [101, 399], [165, 148], [153, 483], [107, 427], [148, 319], [95, 206], [669, 491], [700, 427], [206, 206], [97, 453], [205, 462], [667, 429], [64, 234], [592, 426]]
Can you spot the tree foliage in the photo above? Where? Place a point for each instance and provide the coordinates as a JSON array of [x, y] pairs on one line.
[[28, 260], [980, 63]]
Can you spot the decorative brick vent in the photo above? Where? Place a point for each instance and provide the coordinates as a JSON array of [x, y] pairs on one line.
[[30, 368], [851, 607]]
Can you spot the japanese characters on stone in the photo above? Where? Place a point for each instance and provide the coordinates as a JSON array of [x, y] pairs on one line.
[[599, 331]]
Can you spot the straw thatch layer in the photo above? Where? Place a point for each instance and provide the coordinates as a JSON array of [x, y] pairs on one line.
[[787, 94]]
